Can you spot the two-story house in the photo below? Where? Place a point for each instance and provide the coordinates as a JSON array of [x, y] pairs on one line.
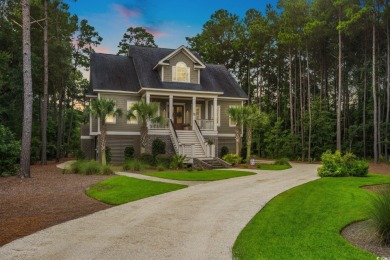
[[193, 98]]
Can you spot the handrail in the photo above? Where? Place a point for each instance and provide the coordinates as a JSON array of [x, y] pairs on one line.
[[175, 138], [206, 124], [200, 137]]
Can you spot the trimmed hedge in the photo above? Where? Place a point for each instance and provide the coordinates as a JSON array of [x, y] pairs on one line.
[[337, 165]]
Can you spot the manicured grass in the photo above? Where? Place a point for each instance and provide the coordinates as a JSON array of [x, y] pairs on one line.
[[305, 222], [273, 167], [121, 189], [211, 175]]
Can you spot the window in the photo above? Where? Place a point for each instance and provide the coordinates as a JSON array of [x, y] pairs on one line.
[[131, 121], [198, 112], [232, 122], [110, 119], [181, 72], [218, 114]]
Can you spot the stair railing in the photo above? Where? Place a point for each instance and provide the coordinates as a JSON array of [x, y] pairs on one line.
[[174, 137], [201, 139]]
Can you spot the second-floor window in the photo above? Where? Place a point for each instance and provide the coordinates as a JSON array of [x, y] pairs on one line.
[[181, 72]]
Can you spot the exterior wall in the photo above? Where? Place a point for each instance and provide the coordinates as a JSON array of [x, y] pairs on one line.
[[94, 124], [121, 124], [229, 142], [88, 147], [169, 149], [118, 143], [184, 58], [224, 128]]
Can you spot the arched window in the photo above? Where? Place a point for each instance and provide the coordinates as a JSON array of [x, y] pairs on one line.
[[181, 72]]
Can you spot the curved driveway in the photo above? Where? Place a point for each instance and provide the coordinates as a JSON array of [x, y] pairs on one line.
[[199, 222]]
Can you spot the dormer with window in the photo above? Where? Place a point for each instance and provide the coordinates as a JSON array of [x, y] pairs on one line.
[[180, 66]]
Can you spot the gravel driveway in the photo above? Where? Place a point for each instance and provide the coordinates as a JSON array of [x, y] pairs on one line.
[[199, 222]]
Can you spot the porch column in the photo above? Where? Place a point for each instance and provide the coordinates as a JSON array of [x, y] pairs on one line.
[[215, 113], [193, 112], [207, 109], [170, 107], [147, 100]]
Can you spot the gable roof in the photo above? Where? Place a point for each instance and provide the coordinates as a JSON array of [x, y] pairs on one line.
[[136, 71], [198, 63]]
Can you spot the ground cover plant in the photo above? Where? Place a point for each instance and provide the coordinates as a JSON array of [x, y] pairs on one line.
[[305, 222], [135, 165], [211, 175], [121, 189], [88, 168], [233, 159], [338, 165], [379, 212]]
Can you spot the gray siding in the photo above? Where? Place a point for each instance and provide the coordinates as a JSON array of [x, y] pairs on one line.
[[225, 128], [183, 58], [118, 143], [229, 142]]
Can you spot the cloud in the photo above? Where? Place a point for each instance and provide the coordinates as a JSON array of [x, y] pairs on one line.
[[127, 12], [103, 49], [155, 31]]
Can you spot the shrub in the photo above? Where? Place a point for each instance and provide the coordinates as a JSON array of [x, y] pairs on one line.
[[158, 147], [379, 212], [224, 151], [232, 158], [135, 165], [92, 168], [147, 158], [129, 153], [164, 159], [336, 165], [282, 161], [9, 152], [88, 168], [108, 154], [178, 161], [160, 167], [106, 170]]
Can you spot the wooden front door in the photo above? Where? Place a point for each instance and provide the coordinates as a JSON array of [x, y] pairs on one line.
[[178, 117]]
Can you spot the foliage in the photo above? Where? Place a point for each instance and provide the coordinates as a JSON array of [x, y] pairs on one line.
[[9, 152], [135, 165], [177, 161], [336, 165], [135, 36], [147, 158], [121, 189], [233, 159], [379, 212], [108, 154], [286, 221], [282, 161], [210, 175], [158, 147], [80, 155], [129, 153], [160, 167], [164, 159], [88, 168], [224, 151]]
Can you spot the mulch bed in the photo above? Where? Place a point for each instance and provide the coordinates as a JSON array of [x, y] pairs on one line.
[[380, 168], [45, 200]]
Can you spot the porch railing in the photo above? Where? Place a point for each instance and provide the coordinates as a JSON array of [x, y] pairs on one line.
[[174, 137], [205, 124], [160, 125]]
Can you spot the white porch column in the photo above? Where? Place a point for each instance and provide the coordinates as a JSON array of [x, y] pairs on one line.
[[170, 107], [147, 100], [193, 112], [207, 109], [215, 113]]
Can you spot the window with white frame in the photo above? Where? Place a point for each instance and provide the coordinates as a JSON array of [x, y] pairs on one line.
[[131, 121], [218, 114], [232, 122], [181, 72], [111, 119]]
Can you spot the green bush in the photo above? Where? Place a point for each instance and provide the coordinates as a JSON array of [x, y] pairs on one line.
[[88, 168], [282, 161], [108, 154], [129, 153], [224, 151], [178, 161], [9, 152], [336, 165], [158, 147], [232, 158], [164, 159], [379, 212], [135, 165], [160, 167], [147, 158]]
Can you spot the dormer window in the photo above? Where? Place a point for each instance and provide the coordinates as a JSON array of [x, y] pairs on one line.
[[181, 72]]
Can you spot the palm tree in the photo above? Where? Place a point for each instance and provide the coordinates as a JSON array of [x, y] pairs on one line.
[[102, 108], [237, 114], [144, 112]]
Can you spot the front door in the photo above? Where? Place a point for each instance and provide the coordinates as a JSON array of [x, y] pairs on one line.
[[178, 117]]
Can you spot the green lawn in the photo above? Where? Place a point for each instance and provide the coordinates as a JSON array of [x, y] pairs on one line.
[[121, 189], [211, 175], [272, 167], [304, 222]]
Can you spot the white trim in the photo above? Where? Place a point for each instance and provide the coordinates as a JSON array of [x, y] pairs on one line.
[[208, 132], [179, 91], [206, 104], [174, 73], [128, 122], [187, 52], [232, 98], [86, 137], [162, 74], [218, 113], [227, 135], [122, 133], [115, 91], [159, 132], [94, 133]]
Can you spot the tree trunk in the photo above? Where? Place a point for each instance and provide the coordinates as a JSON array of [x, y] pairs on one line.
[[103, 142], [290, 91], [339, 91], [388, 91], [144, 136], [70, 125], [364, 100], [301, 108], [375, 144], [45, 88], [308, 103], [238, 139], [60, 122], [248, 142], [24, 171]]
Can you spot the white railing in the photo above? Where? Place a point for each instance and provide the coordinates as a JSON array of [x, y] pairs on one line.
[[160, 125], [187, 149], [174, 137], [201, 139], [205, 124]]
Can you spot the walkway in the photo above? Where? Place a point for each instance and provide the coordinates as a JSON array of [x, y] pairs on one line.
[[199, 222]]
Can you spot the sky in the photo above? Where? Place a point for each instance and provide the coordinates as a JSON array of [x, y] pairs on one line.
[[170, 21]]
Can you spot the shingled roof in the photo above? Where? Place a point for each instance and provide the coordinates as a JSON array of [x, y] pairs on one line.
[[113, 72]]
